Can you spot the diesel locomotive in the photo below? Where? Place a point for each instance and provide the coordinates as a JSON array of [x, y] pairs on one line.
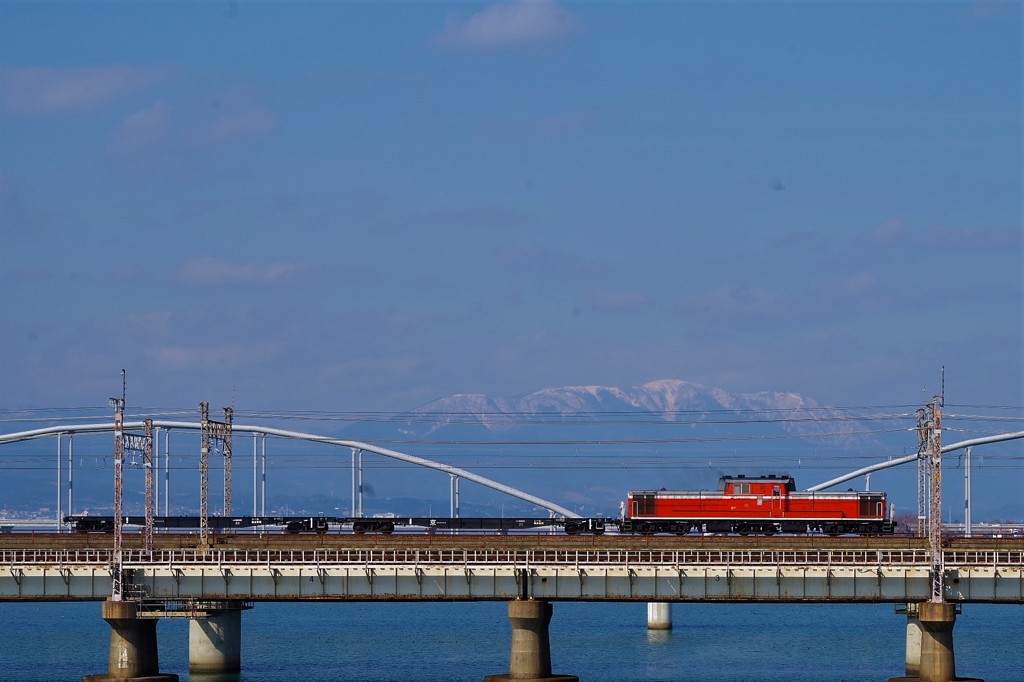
[[757, 505]]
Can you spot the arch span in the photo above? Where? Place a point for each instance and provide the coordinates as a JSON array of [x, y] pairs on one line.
[[913, 458], [296, 435]]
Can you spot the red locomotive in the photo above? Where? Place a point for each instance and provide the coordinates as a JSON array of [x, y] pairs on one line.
[[766, 504]]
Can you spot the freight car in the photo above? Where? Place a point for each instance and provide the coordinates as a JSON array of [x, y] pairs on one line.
[[760, 505], [360, 525]]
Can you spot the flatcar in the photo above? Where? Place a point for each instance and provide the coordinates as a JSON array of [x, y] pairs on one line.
[[760, 505]]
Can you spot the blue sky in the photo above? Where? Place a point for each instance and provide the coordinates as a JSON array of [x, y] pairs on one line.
[[366, 206]]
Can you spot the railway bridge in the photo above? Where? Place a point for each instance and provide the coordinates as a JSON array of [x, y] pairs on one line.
[[213, 577], [214, 582]]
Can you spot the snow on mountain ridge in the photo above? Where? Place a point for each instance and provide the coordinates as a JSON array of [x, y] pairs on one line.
[[671, 399]]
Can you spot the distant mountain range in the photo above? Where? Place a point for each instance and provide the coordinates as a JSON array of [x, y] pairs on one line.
[[671, 400], [587, 445]]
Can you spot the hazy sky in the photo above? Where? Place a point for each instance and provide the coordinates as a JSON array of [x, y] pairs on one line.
[[366, 206]]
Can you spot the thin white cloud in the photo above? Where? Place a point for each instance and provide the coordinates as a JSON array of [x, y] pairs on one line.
[[736, 304], [614, 301], [41, 90], [180, 358], [506, 25], [858, 283], [898, 233], [474, 216], [888, 232], [141, 130], [539, 261], [205, 271], [255, 121]]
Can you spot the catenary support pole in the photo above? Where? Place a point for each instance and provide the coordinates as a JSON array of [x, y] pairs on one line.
[[71, 471], [60, 484], [353, 482], [255, 473], [167, 471], [360, 514], [967, 493], [156, 470]]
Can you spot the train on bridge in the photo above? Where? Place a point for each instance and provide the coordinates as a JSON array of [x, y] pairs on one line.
[[763, 505]]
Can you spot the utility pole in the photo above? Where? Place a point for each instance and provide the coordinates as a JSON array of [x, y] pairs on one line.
[[225, 437], [967, 495], [929, 430], [204, 472], [147, 462], [922, 472], [117, 560], [935, 522], [144, 445], [213, 432]]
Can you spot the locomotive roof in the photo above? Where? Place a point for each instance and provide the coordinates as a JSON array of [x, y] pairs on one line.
[[788, 481]]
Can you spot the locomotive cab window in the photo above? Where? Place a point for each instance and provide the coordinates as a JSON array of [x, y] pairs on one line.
[[643, 504]]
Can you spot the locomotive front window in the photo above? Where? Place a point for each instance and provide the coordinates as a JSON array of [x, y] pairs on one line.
[[871, 505]]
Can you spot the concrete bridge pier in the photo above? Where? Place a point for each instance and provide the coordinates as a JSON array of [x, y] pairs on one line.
[[133, 650], [913, 666], [932, 637], [659, 616], [530, 660], [215, 641]]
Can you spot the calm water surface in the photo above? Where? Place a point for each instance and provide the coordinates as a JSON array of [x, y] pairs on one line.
[[438, 642]]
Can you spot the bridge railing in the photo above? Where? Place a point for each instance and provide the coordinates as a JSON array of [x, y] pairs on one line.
[[510, 557], [574, 557]]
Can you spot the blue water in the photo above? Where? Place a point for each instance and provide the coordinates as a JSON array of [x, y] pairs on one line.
[[440, 642]]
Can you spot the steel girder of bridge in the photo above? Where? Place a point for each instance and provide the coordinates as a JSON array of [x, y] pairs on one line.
[[869, 575]]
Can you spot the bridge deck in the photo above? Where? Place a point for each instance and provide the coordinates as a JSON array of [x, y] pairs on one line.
[[255, 567]]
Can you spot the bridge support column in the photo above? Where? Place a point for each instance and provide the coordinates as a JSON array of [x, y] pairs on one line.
[[913, 641], [133, 650], [659, 616], [530, 660], [215, 642], [935, 658]]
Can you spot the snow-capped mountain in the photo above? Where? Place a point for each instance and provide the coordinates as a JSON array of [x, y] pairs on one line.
[[668, 400]]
